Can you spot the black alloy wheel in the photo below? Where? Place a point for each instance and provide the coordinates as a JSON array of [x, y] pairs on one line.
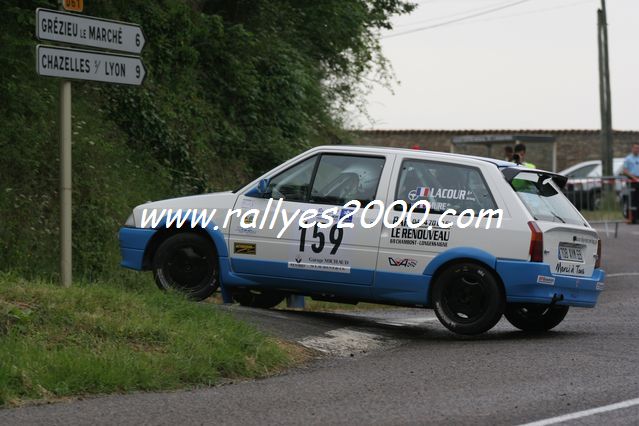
[[188, 263], [534, 317], [467, 298]]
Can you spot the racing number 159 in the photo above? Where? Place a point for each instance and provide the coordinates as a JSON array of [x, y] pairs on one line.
[[335, 236]]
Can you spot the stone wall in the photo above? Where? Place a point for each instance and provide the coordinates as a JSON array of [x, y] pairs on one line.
[[573, 146]]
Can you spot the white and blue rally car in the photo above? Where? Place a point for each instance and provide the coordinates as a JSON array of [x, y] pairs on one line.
[[543, 258]]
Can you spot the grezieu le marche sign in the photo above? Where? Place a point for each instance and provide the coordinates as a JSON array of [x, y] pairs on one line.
[[52, 25]]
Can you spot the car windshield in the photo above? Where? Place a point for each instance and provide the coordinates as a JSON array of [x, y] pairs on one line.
[[544, 200]]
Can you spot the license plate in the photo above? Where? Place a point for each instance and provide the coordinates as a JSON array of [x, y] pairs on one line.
[[573, 254]]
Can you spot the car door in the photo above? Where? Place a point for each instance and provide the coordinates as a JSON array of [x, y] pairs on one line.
[[300, 256], [405, 252]]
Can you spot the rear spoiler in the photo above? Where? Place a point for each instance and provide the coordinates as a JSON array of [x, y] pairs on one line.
[[510, 173]]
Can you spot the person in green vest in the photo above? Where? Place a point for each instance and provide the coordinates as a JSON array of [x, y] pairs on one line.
[[520, 156]]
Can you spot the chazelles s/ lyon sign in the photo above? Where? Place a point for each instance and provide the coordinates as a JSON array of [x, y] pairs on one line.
[[87, 65]]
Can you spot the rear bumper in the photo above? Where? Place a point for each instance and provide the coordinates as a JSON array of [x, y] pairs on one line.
[[133, 242], [532, 282]]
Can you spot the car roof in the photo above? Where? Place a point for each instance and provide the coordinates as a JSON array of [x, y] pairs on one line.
[[616, 160], [414, 152]]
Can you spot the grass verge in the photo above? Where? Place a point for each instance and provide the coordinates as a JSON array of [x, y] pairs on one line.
[[105, 338], [603, 215]]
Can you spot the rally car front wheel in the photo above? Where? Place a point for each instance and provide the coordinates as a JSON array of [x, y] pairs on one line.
[[187, 262], [535, 318], [467, 298]]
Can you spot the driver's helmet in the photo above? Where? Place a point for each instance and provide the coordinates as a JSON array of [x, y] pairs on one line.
[[368, 175]]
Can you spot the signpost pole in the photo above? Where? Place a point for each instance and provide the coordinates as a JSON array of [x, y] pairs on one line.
[[66, 247], [70, 63], [65, 184], [604, 92]]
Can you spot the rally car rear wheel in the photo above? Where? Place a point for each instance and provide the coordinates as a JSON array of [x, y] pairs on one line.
[[467, 298], [187, 262], [535, 318]]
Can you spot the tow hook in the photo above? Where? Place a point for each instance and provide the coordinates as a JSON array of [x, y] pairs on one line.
[[555, 299]]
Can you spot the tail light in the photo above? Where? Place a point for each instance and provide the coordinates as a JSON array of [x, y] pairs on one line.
[[598, 260], [536, 243]]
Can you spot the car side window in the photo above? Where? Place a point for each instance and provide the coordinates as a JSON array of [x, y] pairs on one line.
[[342, 178], [444, 186], [293, 183]]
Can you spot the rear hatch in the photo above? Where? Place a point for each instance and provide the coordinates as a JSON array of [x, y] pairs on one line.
[[569, 243], [569, 250]]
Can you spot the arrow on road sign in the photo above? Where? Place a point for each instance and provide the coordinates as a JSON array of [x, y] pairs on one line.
[[88, 65], [63, 27]]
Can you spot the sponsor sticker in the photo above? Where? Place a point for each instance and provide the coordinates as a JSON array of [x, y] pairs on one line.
[[420, 237], [344, 212], [584, 240], [319, 267], [239, 229], [440, 193], [405, 262], [420, 192], [320, 263], [244, 248], [570, 268], [543, 279], [600, 286]]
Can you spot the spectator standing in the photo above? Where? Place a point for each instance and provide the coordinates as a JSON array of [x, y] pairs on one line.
[[520, 156], [631, 171], [631, 163], [508, 153]]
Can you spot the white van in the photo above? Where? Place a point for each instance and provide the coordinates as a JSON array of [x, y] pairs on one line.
[[538, 257]]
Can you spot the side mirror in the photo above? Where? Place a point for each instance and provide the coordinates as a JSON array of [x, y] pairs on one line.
[[262, 186], [260, 190]]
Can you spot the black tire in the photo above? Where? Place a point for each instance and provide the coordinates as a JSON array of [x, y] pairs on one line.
[[187, 262], [468, 298], [258, 299], [534, 317]]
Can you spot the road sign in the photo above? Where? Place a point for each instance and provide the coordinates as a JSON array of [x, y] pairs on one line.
[[87, 31], [87, 65], [74, 5]]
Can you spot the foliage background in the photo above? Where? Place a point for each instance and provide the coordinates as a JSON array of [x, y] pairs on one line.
[[233, 88]]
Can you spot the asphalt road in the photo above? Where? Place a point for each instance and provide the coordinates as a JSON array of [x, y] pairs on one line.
[[402, 367]]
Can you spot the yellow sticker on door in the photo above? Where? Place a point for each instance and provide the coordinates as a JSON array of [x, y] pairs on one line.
[[244, 248]]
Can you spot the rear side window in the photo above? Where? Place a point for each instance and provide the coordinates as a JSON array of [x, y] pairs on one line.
[[444, 186], [544, 200]]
